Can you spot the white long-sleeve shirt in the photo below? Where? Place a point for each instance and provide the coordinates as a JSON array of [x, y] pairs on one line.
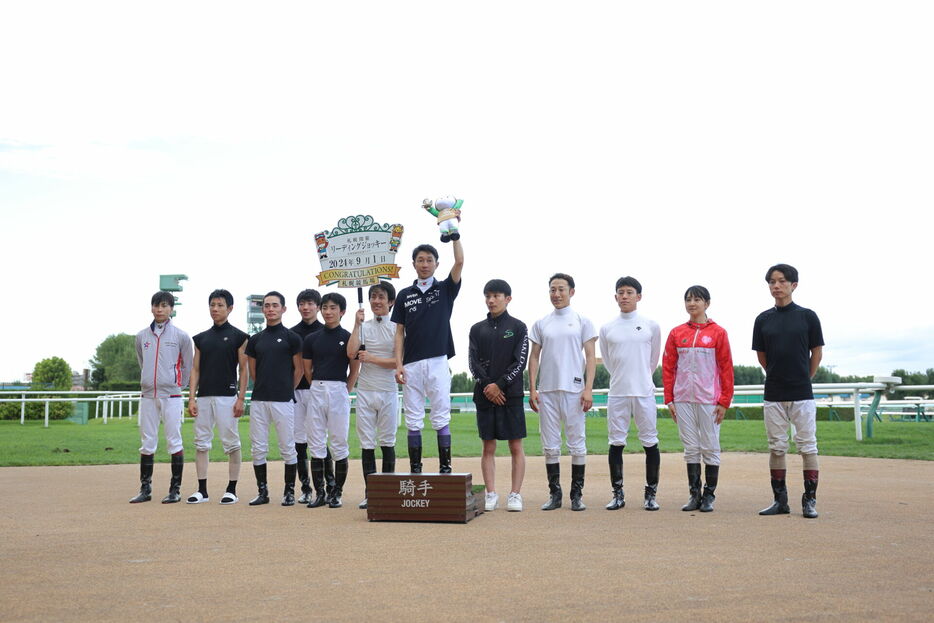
[[630, 346]]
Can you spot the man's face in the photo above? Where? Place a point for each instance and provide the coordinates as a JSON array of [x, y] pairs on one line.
[[560, 293], [780, 288], [161, 312], [219, 310], [331, 312], [379, 303], [308, 310], [425, 265], [496, 302], [627, 299], [273, 310]]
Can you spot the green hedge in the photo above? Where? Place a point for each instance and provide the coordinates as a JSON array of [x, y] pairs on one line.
[[755, 413]]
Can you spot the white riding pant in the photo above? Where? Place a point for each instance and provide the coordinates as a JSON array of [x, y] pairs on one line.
[[329, 419], [216, 411], [169, 412], [699, 432], [431, 378], [621, 410], [282, 416], [377, 418], [779, 416], [557, 409]]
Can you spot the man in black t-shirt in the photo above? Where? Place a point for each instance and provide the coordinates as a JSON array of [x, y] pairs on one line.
[[220, 352], [423, 345], [275, 358], [308, 302], [788, 342], [326, 367]]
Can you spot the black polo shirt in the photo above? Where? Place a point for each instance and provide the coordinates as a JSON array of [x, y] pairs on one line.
[[427, 319], [327, 350], [273, 348], [786, 335], [499, 349], [217, 359], [304, 330]]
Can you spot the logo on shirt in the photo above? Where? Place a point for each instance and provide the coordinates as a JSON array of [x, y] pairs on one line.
[[225, 339], [638, 328], [684, 340], [706, 339], [145, 344], [340, 343], [508, 334], [279, 339]]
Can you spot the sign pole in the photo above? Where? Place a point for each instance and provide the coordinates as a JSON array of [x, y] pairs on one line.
[[360, 301]]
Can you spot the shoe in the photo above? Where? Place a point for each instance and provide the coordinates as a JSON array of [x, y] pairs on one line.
[[780, 505], [616, 481], [362, 505], [554, 487], [514, 503], [288, 498], [335, 501], [197, 498], [444, 458], [694, 487], [145, 480], [650, 503], [445, 238], [229, 498], [175, 485], [305, 497], [455, 235], [809, 499], [577, 487], [492, 501], [262, 497]]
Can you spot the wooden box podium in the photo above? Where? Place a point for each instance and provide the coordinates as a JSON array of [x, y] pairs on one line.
[[422, 497]]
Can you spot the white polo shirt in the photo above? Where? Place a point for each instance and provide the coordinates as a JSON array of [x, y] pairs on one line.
[[562, 335], [378, 336], [630, 346]]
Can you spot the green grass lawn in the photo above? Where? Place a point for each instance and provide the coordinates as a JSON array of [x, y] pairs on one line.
[[95, 443]]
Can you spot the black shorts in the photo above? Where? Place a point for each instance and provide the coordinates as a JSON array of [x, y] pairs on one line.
[[502, 421]]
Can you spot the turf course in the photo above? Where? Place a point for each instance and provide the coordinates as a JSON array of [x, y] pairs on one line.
[[117, 442]]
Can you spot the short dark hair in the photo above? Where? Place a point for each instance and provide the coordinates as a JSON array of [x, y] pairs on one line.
[[221, 294], [427, 248], [790, 272], [308, 295], [494, 286], [274, 293], [699, 291], [632, 282], [386, 287], [163, 297], [334, 297], [564, 276]]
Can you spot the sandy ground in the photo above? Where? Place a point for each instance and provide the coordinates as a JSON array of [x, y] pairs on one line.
[[74, 549]]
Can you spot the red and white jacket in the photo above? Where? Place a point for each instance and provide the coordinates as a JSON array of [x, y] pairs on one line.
[[165, 361], [697, 365]]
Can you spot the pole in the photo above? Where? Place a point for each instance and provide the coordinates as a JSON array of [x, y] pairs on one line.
[[857, 416], [360, 302]]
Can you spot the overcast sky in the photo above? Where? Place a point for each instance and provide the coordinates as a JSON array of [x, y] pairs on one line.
[[678, 142]]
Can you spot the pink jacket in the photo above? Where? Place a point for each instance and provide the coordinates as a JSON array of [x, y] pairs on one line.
[[697, 365]]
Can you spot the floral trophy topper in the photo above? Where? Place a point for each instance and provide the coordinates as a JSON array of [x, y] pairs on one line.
[[358, 252]]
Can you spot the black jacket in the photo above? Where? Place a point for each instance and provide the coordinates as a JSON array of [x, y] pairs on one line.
[[499, 349]]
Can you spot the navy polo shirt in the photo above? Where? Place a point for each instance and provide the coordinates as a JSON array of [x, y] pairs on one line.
[[304, 330], [427, 319], [217, 359], [786, 335], [327, 350], [273, 348]]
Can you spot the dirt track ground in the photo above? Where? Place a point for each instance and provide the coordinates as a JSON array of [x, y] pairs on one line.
[[73, 549]]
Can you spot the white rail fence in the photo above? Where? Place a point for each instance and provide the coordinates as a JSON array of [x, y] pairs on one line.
[[867, 400]]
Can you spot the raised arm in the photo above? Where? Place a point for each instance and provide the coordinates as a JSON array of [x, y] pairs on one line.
[[458, 261]]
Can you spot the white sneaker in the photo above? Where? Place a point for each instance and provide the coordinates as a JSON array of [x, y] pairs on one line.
[[514, 503], [492, 500]]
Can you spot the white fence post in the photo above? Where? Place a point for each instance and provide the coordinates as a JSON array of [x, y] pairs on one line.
[[22, 410], [857, 416], [46, 413]]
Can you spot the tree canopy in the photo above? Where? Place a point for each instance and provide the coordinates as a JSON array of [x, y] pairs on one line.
[[114, 363], [52, 373]]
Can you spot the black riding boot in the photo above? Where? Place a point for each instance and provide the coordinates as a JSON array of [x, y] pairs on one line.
[[389, 459], [175, 485], [652, 463], [780, 505], [263, 495], [317, 479], [694, 486], [444, 457], [415, 459], [577, 487], [145, 479], [809, 498], [554, 486], [288, 495], [328, 472], [616, 480], [712, 474], [302, 450], [368, 460], [340, 477]]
